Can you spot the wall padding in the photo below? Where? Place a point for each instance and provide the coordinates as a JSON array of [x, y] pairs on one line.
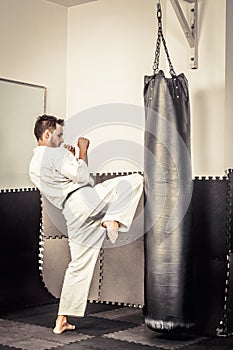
[[21, 283]]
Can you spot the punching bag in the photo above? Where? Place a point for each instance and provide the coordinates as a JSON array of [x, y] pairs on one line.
[[168, 191]]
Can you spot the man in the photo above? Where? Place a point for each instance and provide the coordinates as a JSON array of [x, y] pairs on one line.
[[90, 211]]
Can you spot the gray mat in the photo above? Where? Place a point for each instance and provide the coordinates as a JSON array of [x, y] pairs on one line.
[[56, 258], [26, 336], [142, 335]]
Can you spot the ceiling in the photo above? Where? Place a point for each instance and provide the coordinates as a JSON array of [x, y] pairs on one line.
[[69, 3]]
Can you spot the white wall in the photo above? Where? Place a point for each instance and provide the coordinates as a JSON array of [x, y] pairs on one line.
[[229, 88], [33, 47], [207, 86], [110, 49]]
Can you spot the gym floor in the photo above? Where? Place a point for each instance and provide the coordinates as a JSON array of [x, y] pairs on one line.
[[104, 327]]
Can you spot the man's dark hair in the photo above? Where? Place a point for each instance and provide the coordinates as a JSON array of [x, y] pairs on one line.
[[45, 122]]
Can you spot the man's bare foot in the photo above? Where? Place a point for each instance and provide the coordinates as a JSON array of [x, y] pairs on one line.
[[112, 230], [62, 325]]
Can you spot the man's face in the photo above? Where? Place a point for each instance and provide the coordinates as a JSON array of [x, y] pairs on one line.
[[56, 137]]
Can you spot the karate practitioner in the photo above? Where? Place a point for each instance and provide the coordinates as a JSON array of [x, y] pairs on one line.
[[91, 212]]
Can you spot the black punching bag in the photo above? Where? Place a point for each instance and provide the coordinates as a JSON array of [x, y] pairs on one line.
[[168, 191]]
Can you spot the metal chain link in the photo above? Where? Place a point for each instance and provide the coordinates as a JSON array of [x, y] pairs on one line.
[[157, 53], [172, 71], [158, 46]]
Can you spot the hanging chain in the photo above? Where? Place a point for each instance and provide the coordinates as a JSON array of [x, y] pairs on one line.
[[171, 70], [158, 42], [158, 46], [157, 53]]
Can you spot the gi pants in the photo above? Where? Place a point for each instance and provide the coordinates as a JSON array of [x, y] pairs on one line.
[[85, 210]]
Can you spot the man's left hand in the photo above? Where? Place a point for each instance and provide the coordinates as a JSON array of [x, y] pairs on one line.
[[70, 148]]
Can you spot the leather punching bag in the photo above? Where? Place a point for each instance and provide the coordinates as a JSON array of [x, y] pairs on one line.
[[168, 191]]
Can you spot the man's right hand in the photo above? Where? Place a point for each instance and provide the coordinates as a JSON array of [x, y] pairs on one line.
[[83, 145]]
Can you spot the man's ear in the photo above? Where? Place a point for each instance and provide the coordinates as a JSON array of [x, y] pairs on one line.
[[47, 134]]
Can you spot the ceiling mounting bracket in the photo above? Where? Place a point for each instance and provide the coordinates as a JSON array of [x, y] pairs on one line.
[[189, 27]]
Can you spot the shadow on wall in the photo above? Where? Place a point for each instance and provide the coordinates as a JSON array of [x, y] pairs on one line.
[[208, 132], [201, 13]]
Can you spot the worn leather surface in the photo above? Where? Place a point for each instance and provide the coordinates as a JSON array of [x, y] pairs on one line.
[[168, 191]]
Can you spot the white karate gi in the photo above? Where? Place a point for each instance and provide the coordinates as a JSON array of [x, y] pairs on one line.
[[56, 173]]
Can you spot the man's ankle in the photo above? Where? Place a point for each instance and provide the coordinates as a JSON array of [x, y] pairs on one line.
[[111, 225]]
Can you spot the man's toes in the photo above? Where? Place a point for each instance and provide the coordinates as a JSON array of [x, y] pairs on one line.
[[63, 328], [70, 327]]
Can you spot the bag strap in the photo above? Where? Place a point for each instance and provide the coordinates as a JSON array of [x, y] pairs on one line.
[[158, 45]]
